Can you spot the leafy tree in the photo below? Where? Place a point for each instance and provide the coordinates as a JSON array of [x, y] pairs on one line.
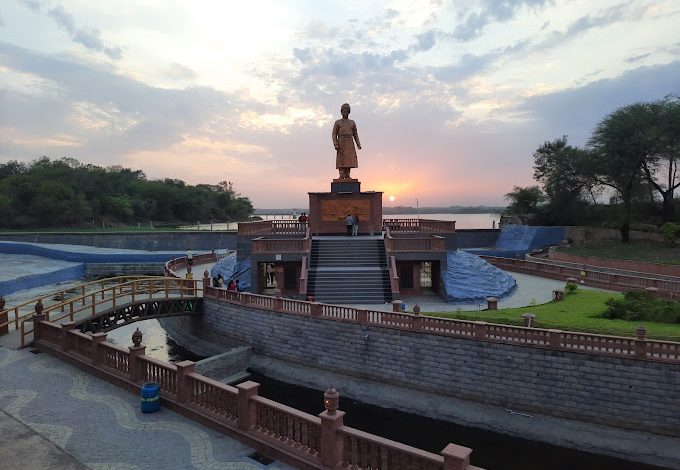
[[560, 169], [65, 192], [620, 146], [661, 165], [524, 200]]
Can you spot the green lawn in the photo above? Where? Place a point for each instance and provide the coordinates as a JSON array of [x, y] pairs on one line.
[[653, 252], [577, 312]]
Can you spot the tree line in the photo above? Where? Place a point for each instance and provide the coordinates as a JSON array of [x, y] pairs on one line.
[[67, 193], [627, 173]]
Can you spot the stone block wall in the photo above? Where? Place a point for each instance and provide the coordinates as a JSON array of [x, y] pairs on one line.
[[625, 393]]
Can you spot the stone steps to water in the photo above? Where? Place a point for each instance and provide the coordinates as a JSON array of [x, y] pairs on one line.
[[349, 271]]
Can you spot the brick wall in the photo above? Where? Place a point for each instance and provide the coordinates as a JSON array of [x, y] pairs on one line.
[[617, 392]]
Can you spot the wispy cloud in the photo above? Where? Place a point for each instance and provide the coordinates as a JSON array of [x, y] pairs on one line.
[[490, 11]]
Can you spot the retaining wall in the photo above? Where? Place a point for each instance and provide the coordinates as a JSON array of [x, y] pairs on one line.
[[36, 280], [152, 241], [626, 393]]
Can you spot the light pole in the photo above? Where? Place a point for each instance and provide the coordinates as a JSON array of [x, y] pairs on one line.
[[417, 209]]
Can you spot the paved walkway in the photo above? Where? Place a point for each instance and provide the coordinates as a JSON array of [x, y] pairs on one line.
[[98, 424]]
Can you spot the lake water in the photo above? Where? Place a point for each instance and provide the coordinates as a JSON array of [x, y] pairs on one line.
[[463, 221]]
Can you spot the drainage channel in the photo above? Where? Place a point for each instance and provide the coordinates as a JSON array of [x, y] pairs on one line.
[[492, 451]]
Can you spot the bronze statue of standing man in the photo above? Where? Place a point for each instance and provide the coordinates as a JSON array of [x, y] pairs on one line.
[[344, 135]]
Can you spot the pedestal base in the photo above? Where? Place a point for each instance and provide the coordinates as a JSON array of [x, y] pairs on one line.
[[327, 211], [347, 185]]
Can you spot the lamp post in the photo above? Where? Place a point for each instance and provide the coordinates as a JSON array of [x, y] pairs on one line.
[[417, 209]]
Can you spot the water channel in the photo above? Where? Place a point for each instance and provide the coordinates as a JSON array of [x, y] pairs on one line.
[[492, 451]]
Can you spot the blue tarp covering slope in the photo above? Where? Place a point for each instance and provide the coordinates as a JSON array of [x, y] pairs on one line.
[[230, 268], [470, 278]]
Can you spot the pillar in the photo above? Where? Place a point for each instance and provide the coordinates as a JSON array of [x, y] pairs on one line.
[[245, 408], [456, 457], [184, 391]]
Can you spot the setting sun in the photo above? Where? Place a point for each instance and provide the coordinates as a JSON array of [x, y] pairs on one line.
[[391, 198]]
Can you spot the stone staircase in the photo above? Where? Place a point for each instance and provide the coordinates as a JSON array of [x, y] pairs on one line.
[[351, 270]]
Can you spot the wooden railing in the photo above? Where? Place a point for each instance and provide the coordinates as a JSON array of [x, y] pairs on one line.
[[91, 303], [592, 276], [320, 442], [627, 347], [420, 225], [17, 313]]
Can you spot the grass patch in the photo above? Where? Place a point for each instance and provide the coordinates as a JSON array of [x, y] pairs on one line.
[[649, 251], [580, 311]]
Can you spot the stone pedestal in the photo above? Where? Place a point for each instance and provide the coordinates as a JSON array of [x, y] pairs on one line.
[[327, 211], [348, 185]]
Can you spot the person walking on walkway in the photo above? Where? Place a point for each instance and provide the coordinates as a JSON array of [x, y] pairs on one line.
[[355, 226], [190, 257]]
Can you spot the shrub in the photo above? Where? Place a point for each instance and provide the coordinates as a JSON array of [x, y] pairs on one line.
[[642, 306], [671, 232], [570, 288]]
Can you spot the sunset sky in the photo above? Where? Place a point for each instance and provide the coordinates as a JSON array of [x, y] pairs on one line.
[[450, 98]]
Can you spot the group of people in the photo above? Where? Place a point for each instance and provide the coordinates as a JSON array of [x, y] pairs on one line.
[[352, 223], [218, 281]]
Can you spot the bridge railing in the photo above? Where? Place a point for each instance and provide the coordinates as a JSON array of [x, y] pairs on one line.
[[311, 441], [617, 346], [91, 303], [17, 313]]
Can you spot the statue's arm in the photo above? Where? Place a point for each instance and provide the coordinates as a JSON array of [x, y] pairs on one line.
[[356, 135], [334, 135]]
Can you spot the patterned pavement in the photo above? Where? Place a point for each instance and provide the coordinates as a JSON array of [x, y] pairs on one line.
[[102, 426]]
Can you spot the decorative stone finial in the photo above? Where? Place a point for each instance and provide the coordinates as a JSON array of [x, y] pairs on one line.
[[641, 332], [2, 302], [277, 292], [39, 307], [206, 274], [416, 309], [331, 400], [137, 338]]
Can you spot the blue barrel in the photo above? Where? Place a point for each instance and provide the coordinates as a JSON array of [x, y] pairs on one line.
[[151, 399]]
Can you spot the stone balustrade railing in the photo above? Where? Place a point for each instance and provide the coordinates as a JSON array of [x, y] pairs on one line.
[[597, 277], [308, 441], [425, 243], [272, 227], [420, 225], [284, 245], [616, 346]]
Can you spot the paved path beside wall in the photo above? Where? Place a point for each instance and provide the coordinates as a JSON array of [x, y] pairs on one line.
[[101, 425]]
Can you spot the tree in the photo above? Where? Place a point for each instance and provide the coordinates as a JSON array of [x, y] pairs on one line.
[[661, 165], [620, 146], [560, 170], [524, 200]]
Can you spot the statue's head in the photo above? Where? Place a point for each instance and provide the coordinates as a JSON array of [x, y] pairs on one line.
[[344, 109]]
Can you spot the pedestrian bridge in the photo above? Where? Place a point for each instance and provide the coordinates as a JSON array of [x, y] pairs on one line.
[[104, 305]]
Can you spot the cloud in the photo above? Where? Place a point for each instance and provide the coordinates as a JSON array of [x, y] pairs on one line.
[[180, 72], [426, 41], [2, 22], [491, 11], [638, 57], [575, 112], [91, 39]]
